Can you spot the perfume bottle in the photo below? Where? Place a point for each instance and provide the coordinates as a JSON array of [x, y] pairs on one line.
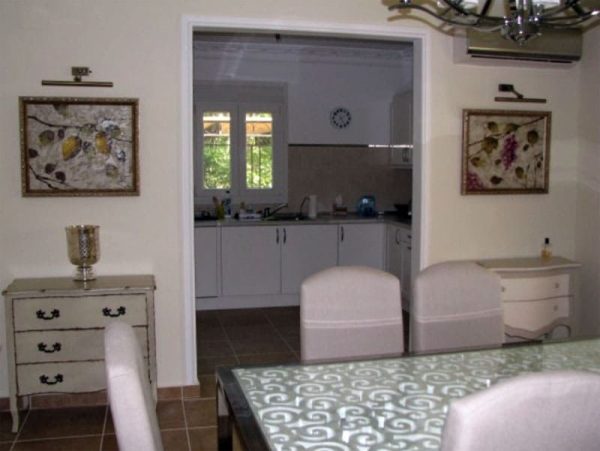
[[546, 250]]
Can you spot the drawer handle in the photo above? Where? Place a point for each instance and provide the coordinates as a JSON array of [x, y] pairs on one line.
[[108, 312], [43, 347], [53, 314], [46, 380], [557, 285]]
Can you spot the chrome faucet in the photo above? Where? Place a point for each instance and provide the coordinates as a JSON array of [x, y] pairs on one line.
[[268, 212], [306, 198]]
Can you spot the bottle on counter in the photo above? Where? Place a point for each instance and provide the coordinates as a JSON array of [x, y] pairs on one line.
[[546, 250], [227, 204]]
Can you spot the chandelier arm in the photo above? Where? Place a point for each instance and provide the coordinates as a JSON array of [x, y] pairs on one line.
[[490, 21], [567, 19]]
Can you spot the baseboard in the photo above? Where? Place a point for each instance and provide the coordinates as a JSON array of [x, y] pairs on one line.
[[254, 301], [99, 398]]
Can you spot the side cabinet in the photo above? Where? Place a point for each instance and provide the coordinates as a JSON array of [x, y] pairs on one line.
[[361, 245], [538, 296], [55, 332]]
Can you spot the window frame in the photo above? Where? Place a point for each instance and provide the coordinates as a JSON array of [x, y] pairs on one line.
[[239, 99]]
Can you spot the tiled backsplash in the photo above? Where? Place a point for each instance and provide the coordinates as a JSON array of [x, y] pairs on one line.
[[351, 172]]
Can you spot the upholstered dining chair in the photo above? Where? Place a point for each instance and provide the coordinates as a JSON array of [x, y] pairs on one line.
[[553, 411], [130, 397], [456, 305], [350, 311]]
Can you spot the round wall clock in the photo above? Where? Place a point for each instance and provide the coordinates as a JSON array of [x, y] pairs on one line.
[[340, 117]]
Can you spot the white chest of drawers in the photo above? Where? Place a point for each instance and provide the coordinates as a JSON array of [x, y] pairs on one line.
[[55, 332], [537, 295]]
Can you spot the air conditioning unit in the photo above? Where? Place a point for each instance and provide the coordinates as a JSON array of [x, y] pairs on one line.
[[555, 46]]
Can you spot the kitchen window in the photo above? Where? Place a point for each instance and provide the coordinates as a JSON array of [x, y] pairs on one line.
[[240, 144]]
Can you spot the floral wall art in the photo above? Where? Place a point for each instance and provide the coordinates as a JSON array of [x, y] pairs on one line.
[[79, 146], [505, 152]]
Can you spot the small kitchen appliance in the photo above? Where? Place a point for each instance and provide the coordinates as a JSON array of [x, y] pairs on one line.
[[366, 207]]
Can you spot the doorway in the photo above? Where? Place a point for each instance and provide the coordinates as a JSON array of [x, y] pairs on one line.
[[419, 41]]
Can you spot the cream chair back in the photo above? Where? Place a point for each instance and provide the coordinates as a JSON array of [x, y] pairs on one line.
[[131, 400], [350, 311], [456, 305], [553, 411]]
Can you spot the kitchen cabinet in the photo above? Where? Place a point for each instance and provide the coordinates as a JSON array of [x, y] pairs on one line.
[[250, 260], [399, 255], [55, 329], [361, 245], [538, 296], [275, 259], [305, 250], [401, 136], [207, 258]]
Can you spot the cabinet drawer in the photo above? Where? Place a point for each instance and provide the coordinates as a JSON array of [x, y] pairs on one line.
[[66, 345], [78, 312], [75, 377], [535, 287], [535, 315]]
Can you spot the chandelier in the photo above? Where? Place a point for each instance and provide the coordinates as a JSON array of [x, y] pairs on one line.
[[524, 19]]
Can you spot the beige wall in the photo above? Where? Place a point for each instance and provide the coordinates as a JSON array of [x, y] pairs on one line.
[[588, 195], [136, 44]]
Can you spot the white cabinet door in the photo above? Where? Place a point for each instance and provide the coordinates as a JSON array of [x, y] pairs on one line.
[[305, 250], [394, 254], [406, 258], [206, 252], [250, 260], [362, 244]]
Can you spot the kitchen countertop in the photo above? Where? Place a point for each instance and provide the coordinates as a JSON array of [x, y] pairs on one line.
[[320, 220]]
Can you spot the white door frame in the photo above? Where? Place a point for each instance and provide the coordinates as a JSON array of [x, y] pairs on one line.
[[421, 40]]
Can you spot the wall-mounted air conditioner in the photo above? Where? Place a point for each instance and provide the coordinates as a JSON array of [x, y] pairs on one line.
[[555, 46]]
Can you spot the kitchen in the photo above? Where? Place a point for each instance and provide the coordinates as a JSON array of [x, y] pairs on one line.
[[340, 114]]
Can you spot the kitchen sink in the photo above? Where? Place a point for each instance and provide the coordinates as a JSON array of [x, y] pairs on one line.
[[288, 216]]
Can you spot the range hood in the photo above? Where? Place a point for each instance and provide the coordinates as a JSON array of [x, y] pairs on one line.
[[556, 46]]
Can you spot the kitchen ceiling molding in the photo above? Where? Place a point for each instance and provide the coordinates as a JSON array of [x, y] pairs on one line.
[[304, 52]]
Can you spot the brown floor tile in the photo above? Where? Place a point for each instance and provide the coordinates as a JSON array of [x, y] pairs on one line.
[[62, 444], [211, 333], [169, 393], [203, 439], [208, 386], [253, 332], [6, 425], [242, 317], [283, 316], [175, 440], [293, 341], [243, 347], [206, 348], [269, 359], [5, 446], [68, 422], [109, 443], [200, 412], [170, 415], [191, 391], [208, 365], [207, 317]]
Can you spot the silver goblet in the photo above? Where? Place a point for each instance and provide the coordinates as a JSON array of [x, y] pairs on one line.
[[83, 246]]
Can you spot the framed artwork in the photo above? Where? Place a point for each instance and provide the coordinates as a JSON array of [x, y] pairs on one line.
[[505, 152], [79, 146]]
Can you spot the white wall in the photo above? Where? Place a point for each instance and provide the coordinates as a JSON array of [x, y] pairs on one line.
[[315, 87], [136, 44], [588, 194]]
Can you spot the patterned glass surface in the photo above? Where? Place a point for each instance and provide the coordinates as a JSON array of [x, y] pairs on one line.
[[390, 404]]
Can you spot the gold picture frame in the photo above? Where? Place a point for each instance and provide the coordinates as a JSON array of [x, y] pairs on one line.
[[79, 146], [505, 152]]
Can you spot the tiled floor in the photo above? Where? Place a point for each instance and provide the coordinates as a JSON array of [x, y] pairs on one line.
[[225, 337]]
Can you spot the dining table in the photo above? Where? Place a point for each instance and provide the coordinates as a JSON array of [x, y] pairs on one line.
[[397, 403]]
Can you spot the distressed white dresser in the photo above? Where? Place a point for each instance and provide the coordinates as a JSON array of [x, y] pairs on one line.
[[55, 332], [538, 295]]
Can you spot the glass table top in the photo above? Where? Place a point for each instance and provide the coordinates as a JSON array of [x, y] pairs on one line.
[[388, 404]]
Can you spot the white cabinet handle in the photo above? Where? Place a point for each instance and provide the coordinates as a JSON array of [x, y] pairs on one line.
[[503, 289]]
